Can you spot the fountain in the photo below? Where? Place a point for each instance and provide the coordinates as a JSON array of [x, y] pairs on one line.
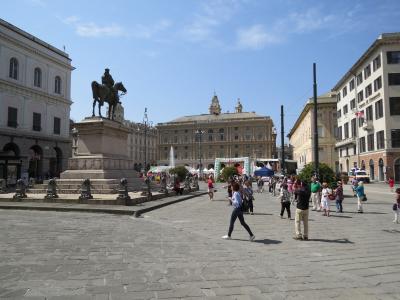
[[172, 158]]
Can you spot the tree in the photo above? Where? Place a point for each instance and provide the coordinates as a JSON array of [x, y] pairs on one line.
[[179, 171], [228, 172], [326, 174]]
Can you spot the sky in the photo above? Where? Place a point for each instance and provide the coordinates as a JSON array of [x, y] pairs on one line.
[[172, 56]]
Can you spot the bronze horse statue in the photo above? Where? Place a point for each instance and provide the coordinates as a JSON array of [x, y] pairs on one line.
[[101, 94]]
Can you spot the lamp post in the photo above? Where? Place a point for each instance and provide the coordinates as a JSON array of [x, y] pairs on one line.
[[146, 123], [200, 132]]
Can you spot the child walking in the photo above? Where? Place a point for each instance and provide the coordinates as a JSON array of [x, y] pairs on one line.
[[285, 201]]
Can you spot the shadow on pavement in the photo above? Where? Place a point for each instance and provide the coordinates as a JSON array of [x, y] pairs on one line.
[[340, 216], [367, 213], [338, 241], [267, 242], [260, 214]]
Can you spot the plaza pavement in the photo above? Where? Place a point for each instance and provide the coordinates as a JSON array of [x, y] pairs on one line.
[[177, 252]]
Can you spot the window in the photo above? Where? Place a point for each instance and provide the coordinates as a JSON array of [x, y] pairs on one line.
[[12, 117], [380, 140], [321, 132], [37, 122], [360, 96], [393, 57], [353, 127], [376, 64], [338, 97], [369, 113], [378, 109], [351, 85], [353, 104], [377, 83], [339, 133], [175, 139], [395, 138], [362, 144], [37, 77], [57, 85], [339, 113], [370, 140], [344, 91], [360, 118], [394, 78], [367, 71], [394, 106], [346, 130], [13, 72], [368, 90], [57, 125], [236, 137], [359, 79], [341, 152], [345, 109], [347, 151]]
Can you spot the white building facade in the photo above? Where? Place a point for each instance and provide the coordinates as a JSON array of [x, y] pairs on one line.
[[368, 109], [35, 101]]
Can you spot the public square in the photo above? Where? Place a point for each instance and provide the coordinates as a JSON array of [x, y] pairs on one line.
[[176, 252]]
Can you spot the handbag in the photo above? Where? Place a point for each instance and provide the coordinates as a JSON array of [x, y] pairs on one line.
[[364, 198], [395, 206], [332, 197]]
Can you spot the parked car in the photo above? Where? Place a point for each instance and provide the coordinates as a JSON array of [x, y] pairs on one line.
[[360, 175]]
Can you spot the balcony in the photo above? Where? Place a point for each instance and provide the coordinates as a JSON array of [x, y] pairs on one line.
[[368, 125], [351, 140]]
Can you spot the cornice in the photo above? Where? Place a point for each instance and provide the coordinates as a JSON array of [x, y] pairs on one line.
[[36, 51], [26, 91]]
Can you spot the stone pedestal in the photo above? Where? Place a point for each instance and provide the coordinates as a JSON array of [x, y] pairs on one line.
[[101, 154]]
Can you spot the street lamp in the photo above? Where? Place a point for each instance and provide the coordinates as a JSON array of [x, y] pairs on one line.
[[146, 123], [200, 133]]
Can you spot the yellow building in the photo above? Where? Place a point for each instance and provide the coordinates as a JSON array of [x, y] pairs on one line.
[[301, 135]]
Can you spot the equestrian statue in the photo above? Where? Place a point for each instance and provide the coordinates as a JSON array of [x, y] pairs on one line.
[[107, 91]]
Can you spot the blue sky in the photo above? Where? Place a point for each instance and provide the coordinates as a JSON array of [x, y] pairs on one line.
[[172, 55]]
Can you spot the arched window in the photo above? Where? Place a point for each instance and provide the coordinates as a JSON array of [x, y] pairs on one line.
[[37, 77], [57, 85], [13, 68]]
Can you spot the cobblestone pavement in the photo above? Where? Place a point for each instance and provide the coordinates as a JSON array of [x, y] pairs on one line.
[[177, 252]]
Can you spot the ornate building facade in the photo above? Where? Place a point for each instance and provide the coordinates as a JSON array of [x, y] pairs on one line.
[[301, 137], [35, 100], [216, 135]]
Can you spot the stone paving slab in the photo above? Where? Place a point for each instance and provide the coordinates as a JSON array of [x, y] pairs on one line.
[[177, 253]]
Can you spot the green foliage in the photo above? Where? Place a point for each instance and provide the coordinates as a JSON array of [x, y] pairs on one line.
[[179, 171], [326, 174], [228, 172]]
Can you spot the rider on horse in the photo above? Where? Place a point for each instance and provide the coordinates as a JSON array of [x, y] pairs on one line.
[[108, 81]]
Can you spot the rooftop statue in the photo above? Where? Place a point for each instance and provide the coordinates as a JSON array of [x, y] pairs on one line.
[[107, 91]]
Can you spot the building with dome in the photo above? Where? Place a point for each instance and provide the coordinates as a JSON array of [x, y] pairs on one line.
[[214, 135]]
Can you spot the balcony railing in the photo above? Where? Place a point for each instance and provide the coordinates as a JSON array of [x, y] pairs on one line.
[[351, 140]]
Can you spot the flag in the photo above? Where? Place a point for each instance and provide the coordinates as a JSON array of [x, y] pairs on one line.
[[360, 114]]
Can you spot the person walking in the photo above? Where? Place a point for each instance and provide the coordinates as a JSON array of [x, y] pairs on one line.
[[303, 197], [325, 199], [210, 185], [315, 189], [360, 196], [396, 207], [391, 184], [237, 213], [248, 195], [285, 201], [339, 197]]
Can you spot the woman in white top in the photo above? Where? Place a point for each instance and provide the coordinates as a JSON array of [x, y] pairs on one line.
[[325, 198]]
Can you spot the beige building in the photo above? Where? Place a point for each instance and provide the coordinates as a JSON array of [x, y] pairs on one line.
[[35, 101], [216, 135], [368, 106], [301, 136]]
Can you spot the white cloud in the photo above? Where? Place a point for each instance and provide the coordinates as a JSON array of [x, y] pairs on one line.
[[92, 29], [255, 37], [310, 20]]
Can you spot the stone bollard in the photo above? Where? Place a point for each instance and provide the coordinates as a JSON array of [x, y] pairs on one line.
[[123, 192], [86, 192], [187, 186], [147, 192], [51, 189], [20, 191], [3, 186]]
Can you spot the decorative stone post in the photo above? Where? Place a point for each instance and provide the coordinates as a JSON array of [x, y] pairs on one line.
[[51, 189], [163, 184], [3, 186], [20, 191], [86, 191], [123, 192], [187, 186]]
